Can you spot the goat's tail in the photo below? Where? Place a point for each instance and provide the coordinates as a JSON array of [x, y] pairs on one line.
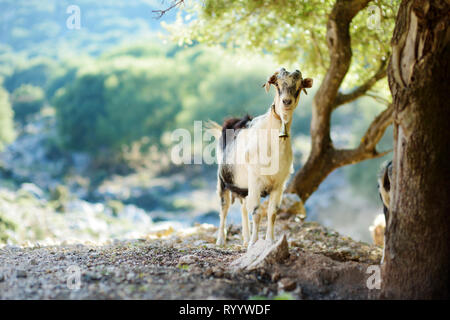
[[214, 127]]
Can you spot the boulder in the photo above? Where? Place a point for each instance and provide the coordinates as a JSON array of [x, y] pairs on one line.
[[262, 254]]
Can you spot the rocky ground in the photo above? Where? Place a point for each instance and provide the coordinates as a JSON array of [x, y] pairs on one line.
[[186, 264]]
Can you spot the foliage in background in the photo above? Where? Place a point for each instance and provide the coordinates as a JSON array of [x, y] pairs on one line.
[[117, 102], [139, 93], [6, 119], [220, 85], [36, 72], [27, 100]]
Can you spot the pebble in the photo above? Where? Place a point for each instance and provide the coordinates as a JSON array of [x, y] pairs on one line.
[[91, 276], [188, 259], [218, 272], [276, 276], [208, 272], [287, 284], [21, 274]]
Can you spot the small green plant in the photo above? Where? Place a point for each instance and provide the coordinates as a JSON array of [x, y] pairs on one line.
[[116, 206], [184, 267], [6, 119], [5, 225], [282, 296], [59, 196]]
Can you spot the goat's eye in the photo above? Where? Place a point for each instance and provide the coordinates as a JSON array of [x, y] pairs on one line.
[[297, 92]]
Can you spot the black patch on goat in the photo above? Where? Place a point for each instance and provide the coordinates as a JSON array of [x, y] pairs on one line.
[[386, 181], [227, 183], [226, 171], [255, 210], [235, 124]]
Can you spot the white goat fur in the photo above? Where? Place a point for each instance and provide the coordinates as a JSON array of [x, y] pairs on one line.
[[250, 174]]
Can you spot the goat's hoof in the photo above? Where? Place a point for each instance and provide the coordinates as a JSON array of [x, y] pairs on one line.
[[250, 245], [220, 242]]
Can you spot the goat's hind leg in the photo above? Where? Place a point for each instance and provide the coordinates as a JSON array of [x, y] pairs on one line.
[[225, 199], [252, 206]]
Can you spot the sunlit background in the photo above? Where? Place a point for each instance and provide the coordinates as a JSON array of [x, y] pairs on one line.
[[86, 116]]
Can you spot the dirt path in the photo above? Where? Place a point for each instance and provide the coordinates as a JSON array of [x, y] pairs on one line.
[[187, 265]]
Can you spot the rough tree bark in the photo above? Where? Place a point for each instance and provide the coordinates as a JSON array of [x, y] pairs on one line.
[[417, 256], [324, 157]]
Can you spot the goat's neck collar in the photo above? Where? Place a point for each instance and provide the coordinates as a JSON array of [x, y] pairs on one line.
[[274, 113]]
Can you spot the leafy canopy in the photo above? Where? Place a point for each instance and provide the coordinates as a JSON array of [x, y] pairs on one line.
[[293, 31]]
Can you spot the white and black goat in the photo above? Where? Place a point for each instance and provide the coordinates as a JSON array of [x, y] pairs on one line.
[[250, 179]]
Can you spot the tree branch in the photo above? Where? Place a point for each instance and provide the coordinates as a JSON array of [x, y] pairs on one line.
[[339, 45], [367, 147], [174, 4], [319, 52], [358, 92], [378, 98]]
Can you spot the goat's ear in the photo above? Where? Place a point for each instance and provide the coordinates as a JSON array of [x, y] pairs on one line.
[[306, 83], [270, 81]]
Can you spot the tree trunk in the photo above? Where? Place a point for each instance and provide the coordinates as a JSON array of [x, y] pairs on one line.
[[417, 254]]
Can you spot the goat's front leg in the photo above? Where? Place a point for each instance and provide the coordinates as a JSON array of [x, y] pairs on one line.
[[245, 223], [225, 199], [252, 206], [274, 205]]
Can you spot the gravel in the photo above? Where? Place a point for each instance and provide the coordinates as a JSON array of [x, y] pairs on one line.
[[177, 265]]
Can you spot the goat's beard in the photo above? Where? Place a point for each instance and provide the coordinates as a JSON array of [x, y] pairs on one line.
[[285, 118]]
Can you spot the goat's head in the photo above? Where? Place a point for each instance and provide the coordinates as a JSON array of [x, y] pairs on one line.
[[288, 87]]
